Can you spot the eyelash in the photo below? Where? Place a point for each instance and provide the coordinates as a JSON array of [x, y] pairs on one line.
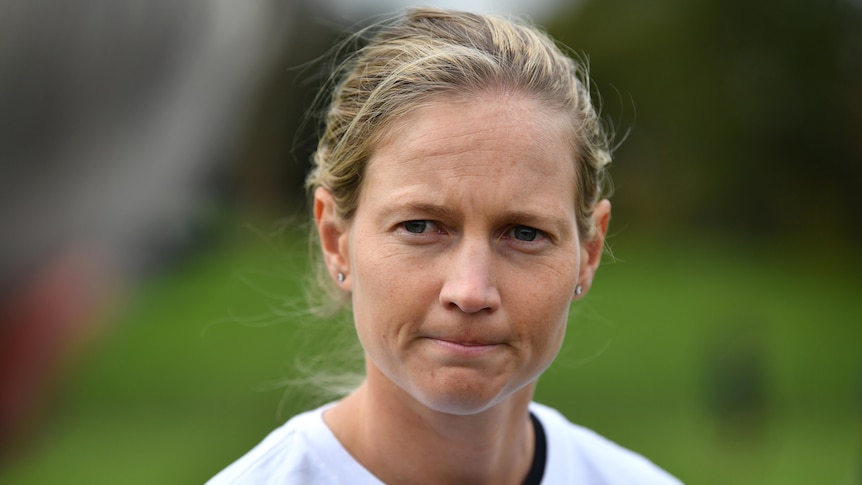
[[536, 233], [510, 233], [404, 225]]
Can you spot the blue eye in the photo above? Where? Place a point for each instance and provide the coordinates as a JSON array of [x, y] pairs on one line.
[[524, 233], [416, 227]]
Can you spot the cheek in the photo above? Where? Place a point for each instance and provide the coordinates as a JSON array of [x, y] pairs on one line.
[[545, 346], [544, 307], [382, 279], [387, 271], [548, 337], [387, 291]]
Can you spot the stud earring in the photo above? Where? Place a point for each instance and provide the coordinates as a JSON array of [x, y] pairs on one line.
[[341, 277], [579, 289]]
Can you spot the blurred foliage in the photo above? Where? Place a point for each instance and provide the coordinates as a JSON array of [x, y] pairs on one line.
[[745, 115], [275, 156], [738, 118]]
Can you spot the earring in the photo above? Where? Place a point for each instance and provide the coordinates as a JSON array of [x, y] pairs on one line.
[[341, 277], [579, 289]]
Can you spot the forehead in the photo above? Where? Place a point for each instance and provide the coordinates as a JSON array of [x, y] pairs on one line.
[[491, 109], [494, 138]]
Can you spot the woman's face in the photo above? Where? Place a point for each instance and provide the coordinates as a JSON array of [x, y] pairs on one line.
[[463, 254]]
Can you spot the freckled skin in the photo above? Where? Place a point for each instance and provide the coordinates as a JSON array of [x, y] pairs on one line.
[[475, 170]]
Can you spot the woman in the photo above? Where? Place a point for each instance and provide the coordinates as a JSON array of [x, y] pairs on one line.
[[458, 200]]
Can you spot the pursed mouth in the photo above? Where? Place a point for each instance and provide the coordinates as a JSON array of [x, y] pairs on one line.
[[464, 342]]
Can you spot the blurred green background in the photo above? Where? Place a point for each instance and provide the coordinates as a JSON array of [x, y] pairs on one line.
[[715, 360], [722, 338]]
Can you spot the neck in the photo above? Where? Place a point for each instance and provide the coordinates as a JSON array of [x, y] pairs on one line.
[[400, 440]]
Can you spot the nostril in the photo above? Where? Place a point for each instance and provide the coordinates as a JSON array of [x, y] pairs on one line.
[[470, 285], [469, 298]]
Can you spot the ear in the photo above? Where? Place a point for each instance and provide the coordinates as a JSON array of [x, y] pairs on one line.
[[333, 233], [591, 250]]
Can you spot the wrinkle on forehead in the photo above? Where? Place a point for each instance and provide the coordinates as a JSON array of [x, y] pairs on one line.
[[508, 109], [484, 140]]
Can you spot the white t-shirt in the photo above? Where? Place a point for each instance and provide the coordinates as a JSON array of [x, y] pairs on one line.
[[305, 451]]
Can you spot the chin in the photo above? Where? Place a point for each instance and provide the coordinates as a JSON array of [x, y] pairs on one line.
[[460, 391], [457, 405], [462, 397]]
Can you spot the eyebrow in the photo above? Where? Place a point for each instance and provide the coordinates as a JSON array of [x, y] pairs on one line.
[[433, 210], [559, 225]]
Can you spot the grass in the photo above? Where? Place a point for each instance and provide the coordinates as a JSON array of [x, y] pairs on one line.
[[177, 389]]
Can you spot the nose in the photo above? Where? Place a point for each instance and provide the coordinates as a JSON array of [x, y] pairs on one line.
[[470, 284]]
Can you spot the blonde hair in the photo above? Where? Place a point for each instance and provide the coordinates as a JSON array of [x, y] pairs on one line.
[[424, 54]]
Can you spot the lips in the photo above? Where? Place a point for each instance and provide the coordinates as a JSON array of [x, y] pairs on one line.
[[464, 347], [466, 341]]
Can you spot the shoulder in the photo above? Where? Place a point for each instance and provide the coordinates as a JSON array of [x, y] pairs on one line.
[[580, 455], [301, 451]]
